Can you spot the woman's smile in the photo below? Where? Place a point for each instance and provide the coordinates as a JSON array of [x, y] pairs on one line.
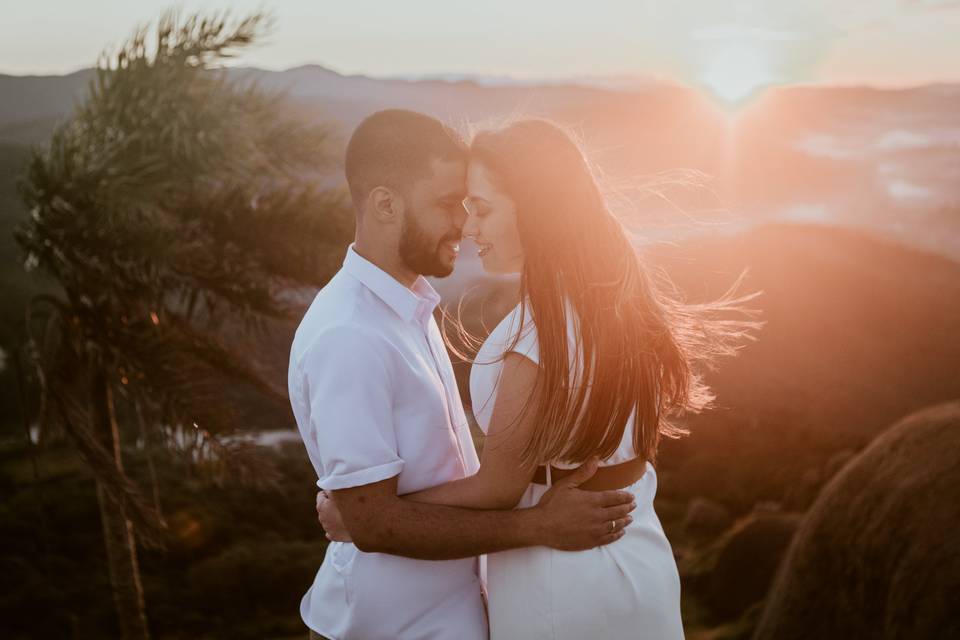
[[492, 222], [483, 248]]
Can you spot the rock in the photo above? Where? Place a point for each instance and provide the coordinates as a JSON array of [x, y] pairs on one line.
[[837, 462], [878, 555], [706, 517], [747, 562]]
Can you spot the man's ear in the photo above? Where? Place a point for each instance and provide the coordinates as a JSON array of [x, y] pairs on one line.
[[385, 204]]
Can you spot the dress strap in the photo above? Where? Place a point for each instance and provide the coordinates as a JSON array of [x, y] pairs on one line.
[[549, 479]]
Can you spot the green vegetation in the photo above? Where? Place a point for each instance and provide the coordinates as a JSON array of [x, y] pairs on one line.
[[175, 209], [17, 285], [238, 558]]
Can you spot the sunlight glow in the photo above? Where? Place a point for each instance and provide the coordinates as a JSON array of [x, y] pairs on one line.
[[736, 70]]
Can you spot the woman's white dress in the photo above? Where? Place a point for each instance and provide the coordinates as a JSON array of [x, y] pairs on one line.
[[627, 589]]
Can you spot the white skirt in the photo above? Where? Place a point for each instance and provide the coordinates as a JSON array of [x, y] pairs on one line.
[[628, 589]]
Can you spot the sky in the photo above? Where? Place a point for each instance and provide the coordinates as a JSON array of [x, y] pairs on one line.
[[728, 45]]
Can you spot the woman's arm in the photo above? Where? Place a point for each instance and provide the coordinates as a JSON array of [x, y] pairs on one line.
[[502, 478]]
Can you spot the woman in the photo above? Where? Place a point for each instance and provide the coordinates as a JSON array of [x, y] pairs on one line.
[[594, 362]]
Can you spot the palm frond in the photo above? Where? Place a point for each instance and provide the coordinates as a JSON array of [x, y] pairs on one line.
[[178, 208]]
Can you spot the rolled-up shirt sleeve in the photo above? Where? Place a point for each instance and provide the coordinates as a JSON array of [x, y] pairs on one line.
[[348, 387]]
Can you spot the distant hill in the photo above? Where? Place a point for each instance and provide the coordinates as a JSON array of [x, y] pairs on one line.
[[32, 105], [29, 100], [879, 159], [860, 331]]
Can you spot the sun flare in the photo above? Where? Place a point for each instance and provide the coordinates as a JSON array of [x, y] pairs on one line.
[[735, 71]]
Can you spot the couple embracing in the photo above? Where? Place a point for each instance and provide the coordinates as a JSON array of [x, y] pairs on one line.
[[552, 534]]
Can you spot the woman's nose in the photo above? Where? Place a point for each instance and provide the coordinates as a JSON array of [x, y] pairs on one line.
[[470, 228]]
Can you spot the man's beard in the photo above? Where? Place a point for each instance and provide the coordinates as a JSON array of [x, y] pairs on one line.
[[419, 254]]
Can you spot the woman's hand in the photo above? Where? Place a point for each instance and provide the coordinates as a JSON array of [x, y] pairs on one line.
[[330, 520]]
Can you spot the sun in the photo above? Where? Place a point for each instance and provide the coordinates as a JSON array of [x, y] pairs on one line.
[[735, 71]]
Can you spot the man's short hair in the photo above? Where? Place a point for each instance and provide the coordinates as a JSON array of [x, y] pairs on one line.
[[395, 147]]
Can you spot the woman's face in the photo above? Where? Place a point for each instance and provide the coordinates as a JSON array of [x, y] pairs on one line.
[[492, 222]]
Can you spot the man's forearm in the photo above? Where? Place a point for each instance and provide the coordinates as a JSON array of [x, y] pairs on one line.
[[436, 532]]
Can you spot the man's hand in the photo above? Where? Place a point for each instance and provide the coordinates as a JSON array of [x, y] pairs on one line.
[[574, 520], [330, 520], [566, 517]]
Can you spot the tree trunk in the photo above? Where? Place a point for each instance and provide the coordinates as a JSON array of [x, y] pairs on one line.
[[117, 530]]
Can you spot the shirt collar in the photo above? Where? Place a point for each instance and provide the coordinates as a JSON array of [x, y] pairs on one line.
[[416, 303]]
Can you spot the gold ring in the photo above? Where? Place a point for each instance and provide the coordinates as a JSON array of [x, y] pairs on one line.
[[613, 526]]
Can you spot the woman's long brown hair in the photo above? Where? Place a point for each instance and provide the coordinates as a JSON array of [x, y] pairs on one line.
[[638, 345]]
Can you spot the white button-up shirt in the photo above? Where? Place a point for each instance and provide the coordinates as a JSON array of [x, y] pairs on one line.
[[374, 396]]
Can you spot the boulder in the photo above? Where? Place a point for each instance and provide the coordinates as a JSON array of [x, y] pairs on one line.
[[837, 461], [878, 555]]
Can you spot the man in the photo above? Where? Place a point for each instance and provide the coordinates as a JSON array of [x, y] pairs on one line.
[[375, 399]]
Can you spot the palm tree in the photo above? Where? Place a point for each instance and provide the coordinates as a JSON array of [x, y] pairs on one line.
[[177, 205]]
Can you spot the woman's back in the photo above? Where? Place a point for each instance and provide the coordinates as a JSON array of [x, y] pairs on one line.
[[629, 588], [488, 365]]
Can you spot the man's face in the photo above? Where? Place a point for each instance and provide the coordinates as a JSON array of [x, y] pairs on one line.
[[433, 219]]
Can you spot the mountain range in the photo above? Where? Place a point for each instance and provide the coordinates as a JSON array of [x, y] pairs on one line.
[[887, 160]]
